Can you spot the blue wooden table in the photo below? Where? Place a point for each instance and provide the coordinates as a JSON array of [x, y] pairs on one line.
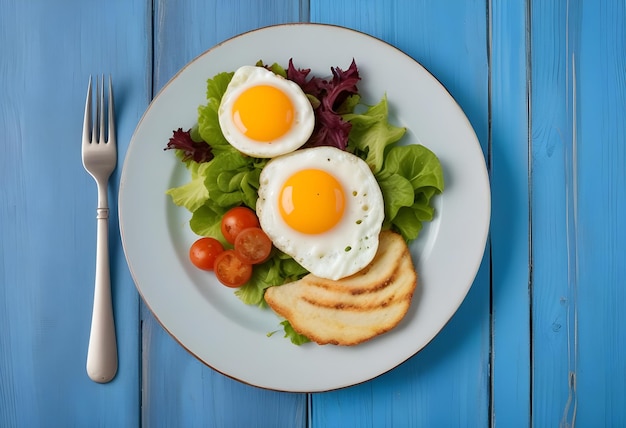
[[541, 337]]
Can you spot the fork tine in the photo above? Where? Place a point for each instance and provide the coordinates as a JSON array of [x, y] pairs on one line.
[[101, 121], [111, 138], [87, 119], [95, 118]]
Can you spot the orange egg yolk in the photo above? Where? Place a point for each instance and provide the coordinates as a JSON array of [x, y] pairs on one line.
[[263, 113], [312, 201]]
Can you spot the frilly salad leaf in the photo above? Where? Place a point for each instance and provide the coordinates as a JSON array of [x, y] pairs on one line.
[[206, 221], [372, 133], [232, 179], [295, 337], [189, 146], [193, 194], [208, 121], [410, 177], [330, 99]]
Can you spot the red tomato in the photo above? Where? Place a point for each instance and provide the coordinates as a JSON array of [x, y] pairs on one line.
[[231, 270], [237, 219], [204, 251], [253, 245]]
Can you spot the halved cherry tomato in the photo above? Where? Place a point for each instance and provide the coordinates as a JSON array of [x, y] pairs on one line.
[[231, 270], [204, 251], [237, 219], [253, 245]]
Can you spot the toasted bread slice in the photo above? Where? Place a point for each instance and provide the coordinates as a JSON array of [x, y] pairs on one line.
[[354, 309]]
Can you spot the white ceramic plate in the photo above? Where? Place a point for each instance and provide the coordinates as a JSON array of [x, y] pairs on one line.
[[207, 318]]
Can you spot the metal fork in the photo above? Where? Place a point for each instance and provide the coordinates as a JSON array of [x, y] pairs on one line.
[[99, 159]]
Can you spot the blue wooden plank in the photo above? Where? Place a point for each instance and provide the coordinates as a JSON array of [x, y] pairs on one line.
[[580, 198], [599, 205], [553, 28], [205, 397], [510, 228], [446, 384], [47, 210]]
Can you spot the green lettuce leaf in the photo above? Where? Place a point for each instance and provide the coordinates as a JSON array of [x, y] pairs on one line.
[[417, 164], [276, 68], [371, 134], [397, 193], [410, 177], [216, 87], [208, 121], [277, 270], [295, 337], [194, 194], [233, 178], [206, 221]]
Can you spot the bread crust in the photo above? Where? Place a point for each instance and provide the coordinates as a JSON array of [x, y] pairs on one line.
[[354, 309]]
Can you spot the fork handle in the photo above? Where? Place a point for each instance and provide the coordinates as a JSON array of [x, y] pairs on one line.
[[102, 351]]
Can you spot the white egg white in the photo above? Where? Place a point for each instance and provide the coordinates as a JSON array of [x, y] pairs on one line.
[[350, 245], [304, 119]]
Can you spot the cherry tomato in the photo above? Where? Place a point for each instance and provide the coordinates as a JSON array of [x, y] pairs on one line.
[[253, 245], [237, 219], [231, 270], [204, 251]]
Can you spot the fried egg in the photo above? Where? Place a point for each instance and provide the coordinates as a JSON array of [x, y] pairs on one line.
[[264, 115], [323, 207]]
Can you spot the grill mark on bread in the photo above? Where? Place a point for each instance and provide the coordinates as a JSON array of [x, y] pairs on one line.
[[354, 309], [385, 291], [350, 306], [357, 291]]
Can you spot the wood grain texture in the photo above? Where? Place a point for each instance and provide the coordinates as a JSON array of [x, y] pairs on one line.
[[446, 384], [48, 210], [182, 31], [600, 207], [553, 283], [510, 225], [579, 159]]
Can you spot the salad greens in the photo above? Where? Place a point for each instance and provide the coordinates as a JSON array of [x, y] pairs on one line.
[[408, 176], [222, 177]]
